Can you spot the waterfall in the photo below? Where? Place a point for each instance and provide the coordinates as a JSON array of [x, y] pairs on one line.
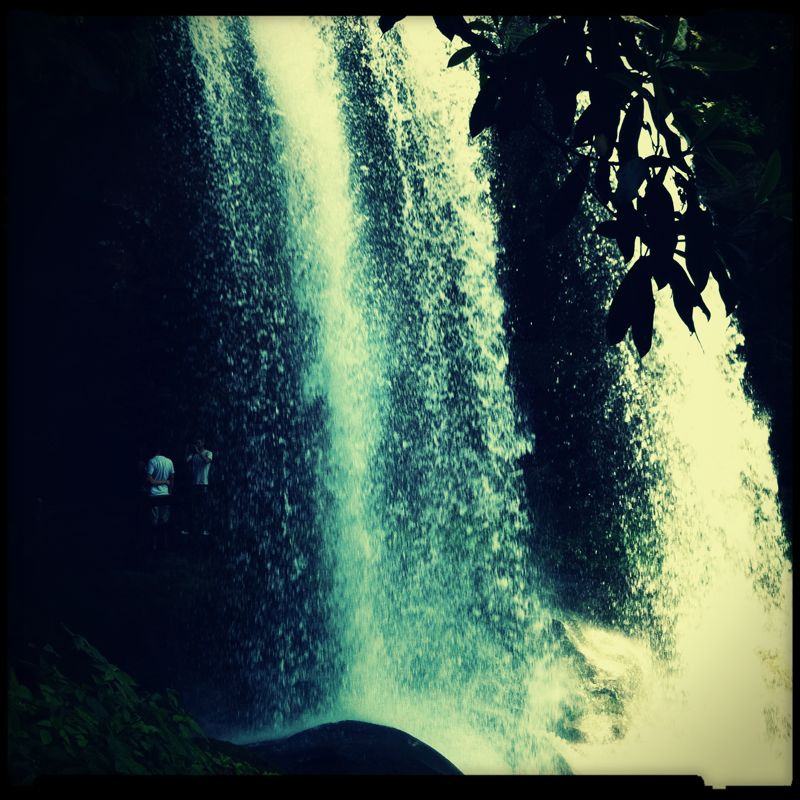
[[385, 571], [712, 570], [718, 702]]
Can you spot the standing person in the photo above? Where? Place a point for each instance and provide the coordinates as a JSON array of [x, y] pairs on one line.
[[199, 461], [160, 478]]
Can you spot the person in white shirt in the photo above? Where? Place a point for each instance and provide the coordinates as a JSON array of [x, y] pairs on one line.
[[159, 478], [199, 461]]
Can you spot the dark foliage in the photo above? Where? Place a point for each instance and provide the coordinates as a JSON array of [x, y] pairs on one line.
[[731, 109], [71, 712], [567, 200], [656, 76]]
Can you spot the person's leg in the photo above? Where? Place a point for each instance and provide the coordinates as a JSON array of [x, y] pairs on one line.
[[153, 520], [166, 514], [196, 507], [186, 513], [202, 502]]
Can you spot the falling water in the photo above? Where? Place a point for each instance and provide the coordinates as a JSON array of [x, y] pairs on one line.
[[713, 569], [358, 237], [718, 699]]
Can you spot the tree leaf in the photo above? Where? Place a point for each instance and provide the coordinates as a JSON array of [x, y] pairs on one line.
[[674, 145], [698, 246], [728, 144], [568, 197], [679, 42], [603, 43], [480, 25], [609, 99], [457, 26], [697, 263], [629, 80], [386, 23], [561, 86], [631, 50], [685, 296], [609, 229], [670, 33], [449, 26], [657, 207], [629, 226], [769, 180], [685, 79], [460, 56], [24, 693], [528, 44], [721, 170], [586, 126], [781, 205], [627, 242], [631, 177], [654, 162], [478, 41], [483, 110], [727, 289], [639, 22], [564, 104], [579, 72], [711, 121], [663, 108], [602, 182], [659, 265], [628, 146], [642, 325], [633, 305], [660, 113]]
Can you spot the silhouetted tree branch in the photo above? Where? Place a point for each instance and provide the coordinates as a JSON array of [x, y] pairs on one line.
[[608, 80]]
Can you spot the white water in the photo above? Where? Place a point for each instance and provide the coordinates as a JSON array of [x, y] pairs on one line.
[[420, 506], [721, 705]]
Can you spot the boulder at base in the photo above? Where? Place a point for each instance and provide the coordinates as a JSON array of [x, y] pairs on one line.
[[351, 748]]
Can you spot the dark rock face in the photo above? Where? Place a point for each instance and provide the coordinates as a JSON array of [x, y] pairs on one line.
[[350, 748]]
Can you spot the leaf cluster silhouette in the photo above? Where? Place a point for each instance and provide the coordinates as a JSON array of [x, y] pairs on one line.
[[643, 77]]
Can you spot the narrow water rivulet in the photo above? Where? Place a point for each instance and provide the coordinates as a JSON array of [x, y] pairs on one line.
[[355, 251]]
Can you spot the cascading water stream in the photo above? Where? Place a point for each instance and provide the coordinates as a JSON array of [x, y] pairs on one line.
[[712, 569], [359, 237], [718, 700]]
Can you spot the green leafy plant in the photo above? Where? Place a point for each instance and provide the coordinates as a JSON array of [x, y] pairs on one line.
[[79, 714]]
